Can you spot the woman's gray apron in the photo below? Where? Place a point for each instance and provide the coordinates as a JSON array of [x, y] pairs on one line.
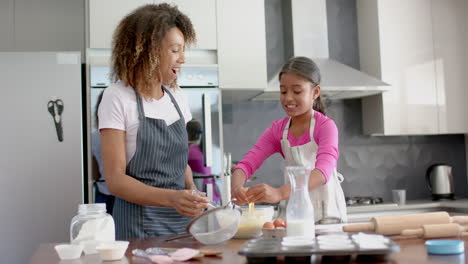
[[160, 161]]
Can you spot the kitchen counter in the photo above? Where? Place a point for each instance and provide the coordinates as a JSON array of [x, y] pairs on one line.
[[365, 212], [410, 205], [412, 251]]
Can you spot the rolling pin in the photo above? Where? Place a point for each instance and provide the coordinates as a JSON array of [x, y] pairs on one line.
[[437, 231], [394, 224]]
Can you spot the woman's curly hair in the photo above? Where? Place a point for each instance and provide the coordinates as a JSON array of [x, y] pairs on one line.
[[136, 45]]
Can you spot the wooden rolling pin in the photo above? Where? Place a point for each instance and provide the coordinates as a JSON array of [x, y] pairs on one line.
[[394, 224], [436, 231]]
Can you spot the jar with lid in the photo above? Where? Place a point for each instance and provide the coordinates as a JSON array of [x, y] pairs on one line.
[[92, 223]]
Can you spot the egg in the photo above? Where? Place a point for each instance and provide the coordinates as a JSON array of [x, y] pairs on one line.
[[268, 225], [279, 222]]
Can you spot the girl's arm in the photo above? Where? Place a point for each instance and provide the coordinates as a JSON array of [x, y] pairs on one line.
[[134, 191], [238, 190], [326, 137], [266, 193], [267, 145]]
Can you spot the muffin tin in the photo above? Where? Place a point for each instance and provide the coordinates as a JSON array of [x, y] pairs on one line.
[[333, 248]]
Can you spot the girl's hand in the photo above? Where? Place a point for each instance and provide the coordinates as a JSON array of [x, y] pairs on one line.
[[240, 193], [263, 193], [188, 204]]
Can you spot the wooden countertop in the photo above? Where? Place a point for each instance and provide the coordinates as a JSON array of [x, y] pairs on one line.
[[412, 251]]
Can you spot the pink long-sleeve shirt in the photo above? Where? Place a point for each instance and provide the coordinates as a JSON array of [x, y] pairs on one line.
[[325, 136]]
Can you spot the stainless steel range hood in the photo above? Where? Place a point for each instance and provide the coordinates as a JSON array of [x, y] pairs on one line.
[[310, 39]]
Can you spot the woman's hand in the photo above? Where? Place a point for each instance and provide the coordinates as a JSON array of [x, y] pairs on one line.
[[264, 193], [188, 204], [240, 194]]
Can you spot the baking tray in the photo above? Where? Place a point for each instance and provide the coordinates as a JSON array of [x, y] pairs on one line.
[[360, 246]]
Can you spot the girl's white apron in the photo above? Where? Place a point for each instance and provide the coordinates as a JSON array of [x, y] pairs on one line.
[[328, 198]]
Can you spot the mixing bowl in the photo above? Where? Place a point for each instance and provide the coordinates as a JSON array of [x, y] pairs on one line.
[[251, 224]]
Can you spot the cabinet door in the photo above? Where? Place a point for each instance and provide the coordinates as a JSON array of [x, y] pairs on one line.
[[104, 15], [202, 13], [6, 24], [407, 55], [241, 44], [449, 27], [405, 60], [48, 25]]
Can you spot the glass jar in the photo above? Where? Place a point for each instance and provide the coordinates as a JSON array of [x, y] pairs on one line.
[[92, 223]]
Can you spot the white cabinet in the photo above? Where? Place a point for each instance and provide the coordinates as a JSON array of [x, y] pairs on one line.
[[451, 63], [202, 13], [41, 25], [241, 44], [395, 45], [6, 24], [402, 43], [104, 16]]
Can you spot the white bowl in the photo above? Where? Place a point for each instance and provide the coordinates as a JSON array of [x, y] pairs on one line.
[[69, 251], [112, 250], [89, 246]]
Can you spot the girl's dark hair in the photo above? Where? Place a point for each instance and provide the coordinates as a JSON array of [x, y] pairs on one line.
[[194, 129], [136, 46], [307, 69]]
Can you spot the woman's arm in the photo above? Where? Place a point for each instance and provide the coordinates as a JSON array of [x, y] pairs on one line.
[[134, 191]]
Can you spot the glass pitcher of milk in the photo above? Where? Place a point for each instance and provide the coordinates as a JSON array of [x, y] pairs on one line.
[[299, 211]]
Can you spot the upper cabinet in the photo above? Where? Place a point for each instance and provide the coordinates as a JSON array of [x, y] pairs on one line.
[[42, 25], [450, 19], [104, 15], [241, 44], [202, 13], [412, 46], [6, 25]]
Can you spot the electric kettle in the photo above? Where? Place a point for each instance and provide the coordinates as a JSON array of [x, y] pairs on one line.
[[440, 181]]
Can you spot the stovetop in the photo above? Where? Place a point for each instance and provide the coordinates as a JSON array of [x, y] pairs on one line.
[[363, 200]]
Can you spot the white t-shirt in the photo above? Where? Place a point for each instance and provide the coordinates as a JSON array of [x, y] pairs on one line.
[[119, 110]]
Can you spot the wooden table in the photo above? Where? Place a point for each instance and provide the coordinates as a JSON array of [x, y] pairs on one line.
[[412, 251]]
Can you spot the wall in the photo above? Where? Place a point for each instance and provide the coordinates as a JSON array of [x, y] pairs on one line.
[[372, 166]]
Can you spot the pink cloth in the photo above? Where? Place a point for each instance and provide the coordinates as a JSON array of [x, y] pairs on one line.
[[325, 135], [196, 160], [196, 163]]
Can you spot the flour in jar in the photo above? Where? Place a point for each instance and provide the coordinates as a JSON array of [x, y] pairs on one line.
[[99, 229]]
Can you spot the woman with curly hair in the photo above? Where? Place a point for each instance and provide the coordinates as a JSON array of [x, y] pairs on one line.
[[142, 122]]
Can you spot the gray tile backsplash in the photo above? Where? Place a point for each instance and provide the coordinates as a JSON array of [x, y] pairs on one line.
[[371, 165]]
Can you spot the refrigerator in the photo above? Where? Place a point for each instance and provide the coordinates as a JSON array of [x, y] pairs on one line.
[[41, 161]]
